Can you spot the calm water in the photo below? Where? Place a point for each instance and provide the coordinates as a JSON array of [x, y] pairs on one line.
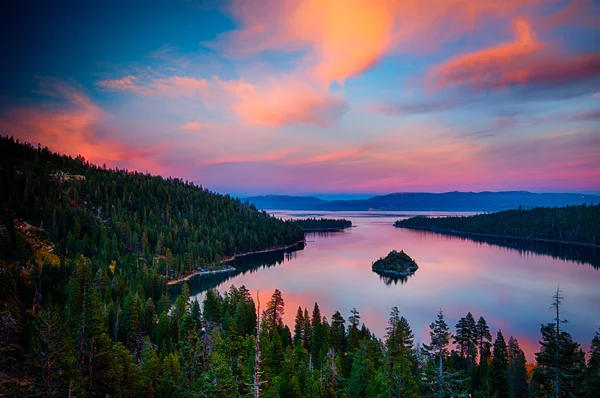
[[511, 288]]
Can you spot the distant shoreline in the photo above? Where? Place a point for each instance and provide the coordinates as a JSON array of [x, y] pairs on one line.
[[326, 229], [231, 258], [459, 233]]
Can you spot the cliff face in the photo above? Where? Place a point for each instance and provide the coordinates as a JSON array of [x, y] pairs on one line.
[[395, 263]]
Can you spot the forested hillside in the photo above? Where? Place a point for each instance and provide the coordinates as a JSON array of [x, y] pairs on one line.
[[111, 214], [570, 224], [323, 224], [85, 311], [98, 245]]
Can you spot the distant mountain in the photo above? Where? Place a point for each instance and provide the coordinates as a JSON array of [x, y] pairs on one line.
[[268, 202], [422, 201]]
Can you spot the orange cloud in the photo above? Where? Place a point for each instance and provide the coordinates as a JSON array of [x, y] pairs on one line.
[[192, 126], [331, 156], [345, 38], [522, 61], [286, 101], [74, 125]]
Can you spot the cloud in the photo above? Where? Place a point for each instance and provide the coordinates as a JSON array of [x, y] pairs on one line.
[[589, 115], [524, 61], [265, 157], [71, 124], [341, 39], [422, 106], [171, 87], [192, 126], [127, 83], [284, 101]]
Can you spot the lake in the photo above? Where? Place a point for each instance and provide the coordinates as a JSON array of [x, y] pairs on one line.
[[511, 287]]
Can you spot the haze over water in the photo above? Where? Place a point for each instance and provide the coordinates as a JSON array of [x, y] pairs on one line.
[[511, 289]]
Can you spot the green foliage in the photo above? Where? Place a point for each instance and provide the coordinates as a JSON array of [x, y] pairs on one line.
[[499, 368], [322, 224], [576, 224], [93, 317]]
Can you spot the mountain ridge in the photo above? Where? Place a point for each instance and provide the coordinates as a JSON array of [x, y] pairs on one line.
[[425, 201]]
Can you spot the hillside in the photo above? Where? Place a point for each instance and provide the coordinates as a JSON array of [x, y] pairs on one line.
[[421, 201], [110, 215], [570, 224]]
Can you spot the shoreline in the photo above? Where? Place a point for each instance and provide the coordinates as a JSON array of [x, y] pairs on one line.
[[459, 233], [332, 229], [228, 259]]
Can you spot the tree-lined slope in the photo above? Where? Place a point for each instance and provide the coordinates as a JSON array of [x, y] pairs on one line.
[[570, 224], [111, 214]]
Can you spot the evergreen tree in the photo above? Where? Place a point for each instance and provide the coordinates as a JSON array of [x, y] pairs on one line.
[[466, 335], [561, 362], [592, 381], [273, 314], [483, 337], [211, 306], [49, 354], [517, 371], [438, 381], [363, 372], [499, 368], [299, 327]]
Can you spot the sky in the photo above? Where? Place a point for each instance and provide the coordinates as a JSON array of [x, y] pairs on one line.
[[300, 97]]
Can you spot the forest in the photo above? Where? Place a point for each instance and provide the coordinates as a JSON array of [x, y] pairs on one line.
[[578, 224], [322, 224], [86, 254]]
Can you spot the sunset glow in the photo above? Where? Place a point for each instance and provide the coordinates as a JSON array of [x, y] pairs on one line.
[[309, 97]]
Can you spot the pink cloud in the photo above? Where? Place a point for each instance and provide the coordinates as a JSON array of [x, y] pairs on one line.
[[192, 126], [523, 61], [342, 39], [74, 125], [284, 101]]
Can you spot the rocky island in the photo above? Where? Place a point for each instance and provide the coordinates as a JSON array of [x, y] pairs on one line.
[[395, 264]]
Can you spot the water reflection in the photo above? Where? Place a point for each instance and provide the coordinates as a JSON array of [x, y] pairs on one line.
[[511, 286], [394, 280], [574, 253], [243, 265]]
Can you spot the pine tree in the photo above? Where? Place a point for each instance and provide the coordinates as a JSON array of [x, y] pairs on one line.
[[499, 368], [49, 353], [211, 306], [561, 362], [570, 368], [299, 327], [592, 381], [465, 335], [307, 330], [338, 331], [483, 337], [195, 312], [517, 371], [354, 319], [273, 314], [363, 372], [438, 380]]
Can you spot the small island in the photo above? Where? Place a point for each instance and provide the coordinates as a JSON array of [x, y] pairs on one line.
[[323, 224], [396, 264]]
